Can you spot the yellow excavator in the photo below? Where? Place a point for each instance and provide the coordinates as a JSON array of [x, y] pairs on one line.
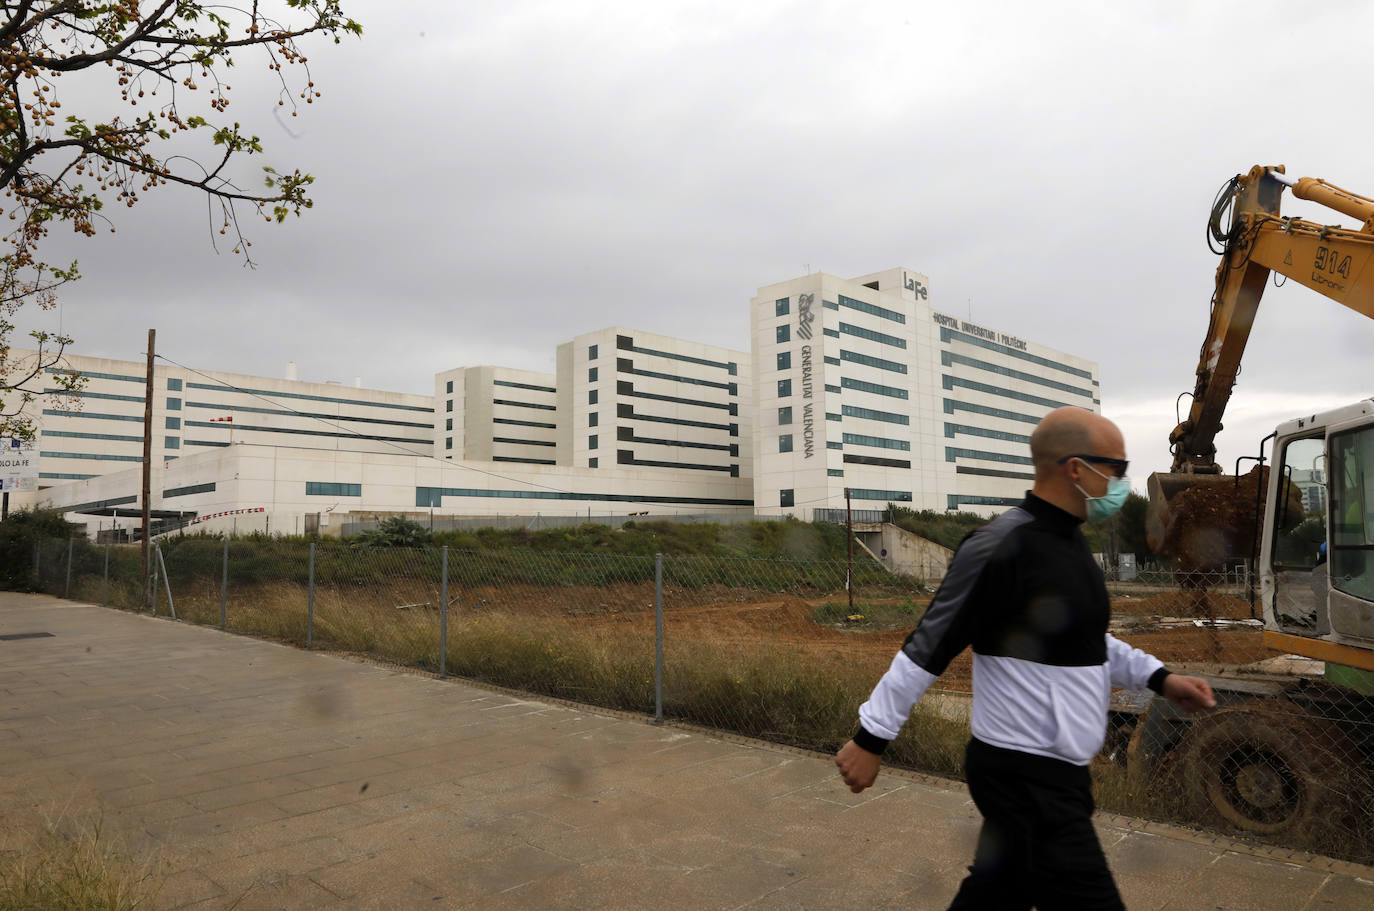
[[1257, 240], [1280, 755]]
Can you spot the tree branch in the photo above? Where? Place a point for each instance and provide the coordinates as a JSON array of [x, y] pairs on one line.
[[83, 61]]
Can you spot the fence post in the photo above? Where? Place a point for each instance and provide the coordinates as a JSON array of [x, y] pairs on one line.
[[658, 638], [310, 610], [167, 581], [105, 588], [152, 580], [224, 587], [70, 542], [443, 613]]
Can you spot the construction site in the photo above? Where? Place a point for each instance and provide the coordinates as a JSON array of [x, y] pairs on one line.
[[1268, 595]]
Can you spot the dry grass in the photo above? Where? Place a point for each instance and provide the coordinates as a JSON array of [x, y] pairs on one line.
[[763, 669], [70, 865], [773, 684]]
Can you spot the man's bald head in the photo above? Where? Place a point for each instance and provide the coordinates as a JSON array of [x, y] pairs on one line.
[[1071, 431]]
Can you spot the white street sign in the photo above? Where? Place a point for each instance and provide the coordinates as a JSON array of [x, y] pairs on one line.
[[18, 465]]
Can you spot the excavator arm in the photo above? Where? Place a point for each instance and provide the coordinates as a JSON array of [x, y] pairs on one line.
[[1333, 260], [1330, 259]]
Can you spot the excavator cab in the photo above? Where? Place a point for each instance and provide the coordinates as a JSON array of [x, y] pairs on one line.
[[1351, 512], [1316, 567]]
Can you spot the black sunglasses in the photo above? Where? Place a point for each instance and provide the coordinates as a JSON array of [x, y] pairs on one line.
[[1119, 464]]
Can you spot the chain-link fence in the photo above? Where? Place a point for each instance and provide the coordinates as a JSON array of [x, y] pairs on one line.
[[354, 526], [786, 651]]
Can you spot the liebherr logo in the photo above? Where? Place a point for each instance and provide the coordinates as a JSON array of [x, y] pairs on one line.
[[804, 315]]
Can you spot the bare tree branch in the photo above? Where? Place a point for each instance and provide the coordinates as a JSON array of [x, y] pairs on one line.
[[56, 168]]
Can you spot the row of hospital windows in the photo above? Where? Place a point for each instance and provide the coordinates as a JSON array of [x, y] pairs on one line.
[[593, 441], [783, 333], [448, 386], [433, 496], [948, 335], [448, 442], [176, 404], [784, 361], [852, 411], [167, 442], [627, 389], [627, 410], [785, 388], [627, 365], [623, 365], [310, 398], [948, 359], [782, 308], [174, 384], [171, 442], [952, 453], [784, 440], [787, 498], [627, 457], [626, 343]]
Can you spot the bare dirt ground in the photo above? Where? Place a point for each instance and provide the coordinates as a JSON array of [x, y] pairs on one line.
[[742, 619]]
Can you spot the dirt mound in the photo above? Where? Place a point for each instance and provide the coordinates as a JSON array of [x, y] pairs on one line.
[[1206, 645], [1215, 520], [1205, 605]]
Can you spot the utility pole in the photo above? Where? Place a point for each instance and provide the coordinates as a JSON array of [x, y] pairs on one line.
[[849, 571], [148, 445]]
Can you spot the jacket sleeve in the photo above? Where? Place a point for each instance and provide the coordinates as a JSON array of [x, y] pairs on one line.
[[975, 580], [1130, 668]]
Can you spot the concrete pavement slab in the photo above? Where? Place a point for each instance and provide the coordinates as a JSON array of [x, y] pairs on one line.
[[268, 777]]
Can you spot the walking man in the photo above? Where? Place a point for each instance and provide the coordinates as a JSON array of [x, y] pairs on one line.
[[1026, 594]]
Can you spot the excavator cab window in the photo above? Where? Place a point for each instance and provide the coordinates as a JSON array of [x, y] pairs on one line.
[[1299, 527], [1352, 512]]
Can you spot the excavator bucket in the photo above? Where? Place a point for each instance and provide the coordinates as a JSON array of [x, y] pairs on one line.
[[1204, 520], [1163, 487]]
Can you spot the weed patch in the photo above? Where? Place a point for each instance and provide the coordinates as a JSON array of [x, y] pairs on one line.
[[63, 865], [870, 615]]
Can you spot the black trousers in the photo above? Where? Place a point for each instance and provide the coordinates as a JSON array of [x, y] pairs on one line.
[[1037, 847]]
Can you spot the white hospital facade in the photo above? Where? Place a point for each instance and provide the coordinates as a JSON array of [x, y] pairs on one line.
[[854, 384]]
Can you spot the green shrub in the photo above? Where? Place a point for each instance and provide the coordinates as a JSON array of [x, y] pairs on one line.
[[945, 529], [870, 615], [20, 532], [394, 531], [762, 540]]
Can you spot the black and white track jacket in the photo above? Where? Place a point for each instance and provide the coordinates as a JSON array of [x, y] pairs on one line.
[[1025, 592]]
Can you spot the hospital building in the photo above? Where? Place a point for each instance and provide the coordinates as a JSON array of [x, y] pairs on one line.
[[858, 385]]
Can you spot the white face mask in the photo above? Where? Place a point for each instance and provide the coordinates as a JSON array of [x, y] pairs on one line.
[[1107, 505]]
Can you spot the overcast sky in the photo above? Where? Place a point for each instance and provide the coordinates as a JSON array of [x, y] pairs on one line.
[[494, 178]]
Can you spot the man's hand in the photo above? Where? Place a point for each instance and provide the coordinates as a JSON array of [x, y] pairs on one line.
[[1192, 694], [857, 766]]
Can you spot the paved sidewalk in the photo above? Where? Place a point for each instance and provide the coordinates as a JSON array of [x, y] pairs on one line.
[[277, 778]]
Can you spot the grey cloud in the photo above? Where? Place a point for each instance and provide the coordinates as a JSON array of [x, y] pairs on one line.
[[496, 178]]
